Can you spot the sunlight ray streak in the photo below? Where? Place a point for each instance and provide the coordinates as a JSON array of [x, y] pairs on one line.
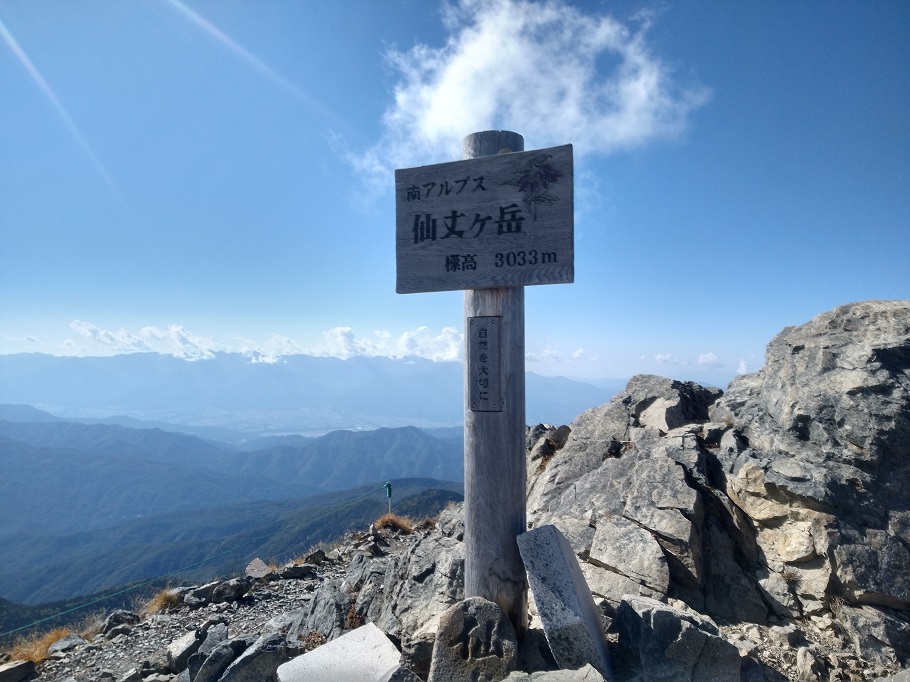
[[32, 70], [251, 59]]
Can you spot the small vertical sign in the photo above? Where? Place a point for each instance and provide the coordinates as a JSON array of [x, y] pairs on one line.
[[485, 352]]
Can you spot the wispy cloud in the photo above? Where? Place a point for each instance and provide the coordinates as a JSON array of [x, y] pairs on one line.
[[669, 359], [544, 69]]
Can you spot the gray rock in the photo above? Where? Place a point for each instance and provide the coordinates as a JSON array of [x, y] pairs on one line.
[[399, 674], [877, 635], [298, 571], [220, 658], [180, 650], [131, 675], [570, 619], [404, 595], [827, 428], [624, 547], [475, 642], [67, 643], [16, 671], [809, 668], [259, 662], [534, 653], [669, 644], [200, 596], [902, 676], [257, 570], [316, 557], [363, 654], [586, 674], [118, 618], [231, 590], [213, 635]]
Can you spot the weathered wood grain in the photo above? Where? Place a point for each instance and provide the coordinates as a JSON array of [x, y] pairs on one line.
[[495, 469]]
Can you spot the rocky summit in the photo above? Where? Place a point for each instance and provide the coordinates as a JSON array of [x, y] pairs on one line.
[[761, 534]]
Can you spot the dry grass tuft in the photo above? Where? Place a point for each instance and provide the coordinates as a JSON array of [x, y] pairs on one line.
[[394, 522], [426, 523], [162, 601], [91, 624], [34, 648]]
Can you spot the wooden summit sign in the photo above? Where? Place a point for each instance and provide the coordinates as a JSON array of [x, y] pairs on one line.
[[494, 221]]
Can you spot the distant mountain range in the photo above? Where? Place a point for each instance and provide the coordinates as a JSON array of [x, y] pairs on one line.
[[140, 502], [233, 397], [135, 465]]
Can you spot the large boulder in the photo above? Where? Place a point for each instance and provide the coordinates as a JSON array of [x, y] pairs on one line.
[[622, 478], [786, 497], [475, 641], [819, 458]]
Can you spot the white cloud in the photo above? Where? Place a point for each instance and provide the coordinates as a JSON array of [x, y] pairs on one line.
[[544, 69], [668, 359], [742, 367], [175, 340], [547, 354], [578, 354], [341, 342], [708, 359]]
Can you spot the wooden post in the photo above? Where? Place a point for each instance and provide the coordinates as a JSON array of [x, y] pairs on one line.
[[494, 451]]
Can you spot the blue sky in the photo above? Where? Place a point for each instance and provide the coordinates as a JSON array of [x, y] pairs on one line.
[[189, 176]]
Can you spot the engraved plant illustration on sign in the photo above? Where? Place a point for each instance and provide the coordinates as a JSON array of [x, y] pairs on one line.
[[535, 182]]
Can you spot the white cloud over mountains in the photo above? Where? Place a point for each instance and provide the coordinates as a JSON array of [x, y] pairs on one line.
[[340, 342], [175, 340], [544, 69]]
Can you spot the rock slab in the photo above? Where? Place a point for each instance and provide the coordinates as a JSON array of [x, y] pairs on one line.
[[668, 644], [16, 671], [364, 654], [571, 620]]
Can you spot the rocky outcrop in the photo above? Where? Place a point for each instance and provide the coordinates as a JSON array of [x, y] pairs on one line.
[[761, 534], [787, 497], [819, 458]]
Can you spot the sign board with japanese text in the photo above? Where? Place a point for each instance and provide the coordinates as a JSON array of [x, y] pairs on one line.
[[493, 221]]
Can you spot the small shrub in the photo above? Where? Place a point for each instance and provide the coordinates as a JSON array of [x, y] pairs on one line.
[[792, 577], [34, 648], [353, 619], [394, 522], [313, 640], [161, 601], [836, 605]]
